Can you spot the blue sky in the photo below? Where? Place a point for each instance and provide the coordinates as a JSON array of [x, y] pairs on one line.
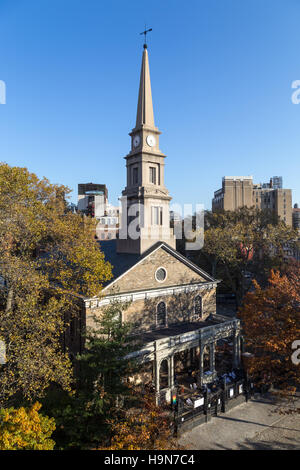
[[221, 73]]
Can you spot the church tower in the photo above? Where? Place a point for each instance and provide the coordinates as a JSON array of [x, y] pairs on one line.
[[145, 200]]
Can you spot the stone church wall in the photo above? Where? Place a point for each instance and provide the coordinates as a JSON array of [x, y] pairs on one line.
[[142, 276], [180, 308]]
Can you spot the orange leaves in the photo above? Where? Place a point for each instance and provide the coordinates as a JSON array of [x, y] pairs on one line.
[[271, 322], [147, 428]]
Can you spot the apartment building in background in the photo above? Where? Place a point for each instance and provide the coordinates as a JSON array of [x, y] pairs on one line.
[[296, 217], [240, 191], [93, 202], [92, 199], [109, 225]]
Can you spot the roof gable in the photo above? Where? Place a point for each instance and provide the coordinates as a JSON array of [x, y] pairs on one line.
[[139, 274]]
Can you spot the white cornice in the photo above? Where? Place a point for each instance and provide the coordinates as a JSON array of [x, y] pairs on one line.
[[148, 294]]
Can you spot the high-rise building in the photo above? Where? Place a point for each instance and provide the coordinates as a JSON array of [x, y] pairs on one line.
[[92, 199], [108, 225], [236, 192], [276, 182], [296, 217], [239, 191]]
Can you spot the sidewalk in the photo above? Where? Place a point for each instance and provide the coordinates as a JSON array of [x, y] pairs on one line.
[[252, 425]]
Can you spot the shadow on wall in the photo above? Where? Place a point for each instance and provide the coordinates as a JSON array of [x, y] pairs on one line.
[[169, 310]]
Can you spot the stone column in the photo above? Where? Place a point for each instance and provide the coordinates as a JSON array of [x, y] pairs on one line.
[[239, 345], [212, 357], [156, 376], [236, 350], [171, 372], [200, 374]]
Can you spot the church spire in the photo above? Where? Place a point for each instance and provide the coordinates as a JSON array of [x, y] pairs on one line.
[[144, 115], [145, 199]]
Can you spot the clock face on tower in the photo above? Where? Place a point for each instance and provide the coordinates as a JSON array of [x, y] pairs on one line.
[[151, 141], [136, 140]]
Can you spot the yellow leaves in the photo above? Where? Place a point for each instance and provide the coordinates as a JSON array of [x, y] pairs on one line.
[[46, 254], [25, 429], [32, 212]]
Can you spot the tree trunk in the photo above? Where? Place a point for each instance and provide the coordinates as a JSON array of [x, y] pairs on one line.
[[9, 299]]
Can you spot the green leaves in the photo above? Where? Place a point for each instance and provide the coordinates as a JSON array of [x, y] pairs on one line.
[[244, 241]]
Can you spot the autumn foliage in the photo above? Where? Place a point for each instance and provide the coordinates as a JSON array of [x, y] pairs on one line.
[[47, 258], [25, 429], [271, 322], [148, 427], [247, 240]]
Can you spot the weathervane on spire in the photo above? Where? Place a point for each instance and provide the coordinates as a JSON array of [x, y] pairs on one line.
[[145, 34]]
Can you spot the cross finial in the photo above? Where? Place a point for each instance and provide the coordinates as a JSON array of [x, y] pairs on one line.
[[145, 34]]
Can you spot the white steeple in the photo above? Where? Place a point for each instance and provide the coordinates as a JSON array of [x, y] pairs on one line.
[[144, 115], [145, 187]]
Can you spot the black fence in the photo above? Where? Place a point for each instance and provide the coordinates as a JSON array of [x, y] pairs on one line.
[[212, 402]]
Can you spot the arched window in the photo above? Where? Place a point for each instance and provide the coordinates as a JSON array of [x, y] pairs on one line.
[[161, 314], [198, 307]]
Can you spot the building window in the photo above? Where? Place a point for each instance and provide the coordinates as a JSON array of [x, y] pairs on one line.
[[198, 307], [156, 215], [161, 314], [135, 175], [161, 275], [152, 174]]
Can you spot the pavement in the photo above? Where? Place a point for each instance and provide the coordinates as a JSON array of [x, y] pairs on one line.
[[255, 425]]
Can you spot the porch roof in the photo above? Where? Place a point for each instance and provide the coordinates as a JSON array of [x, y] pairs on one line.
[[181, 328]]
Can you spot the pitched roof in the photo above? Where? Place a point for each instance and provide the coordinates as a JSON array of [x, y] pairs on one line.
[[123, 262], [120, 262]]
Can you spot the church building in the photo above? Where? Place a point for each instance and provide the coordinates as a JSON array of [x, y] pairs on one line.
[[172, 301]]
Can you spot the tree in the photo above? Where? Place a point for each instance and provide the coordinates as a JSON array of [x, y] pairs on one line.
[[105, 363], [247, 241], [148, 427], [25, 429], [48, 256], [271, 323], [102, 390]]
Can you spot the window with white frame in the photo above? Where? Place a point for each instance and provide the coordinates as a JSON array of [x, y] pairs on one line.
[[156, 215]]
